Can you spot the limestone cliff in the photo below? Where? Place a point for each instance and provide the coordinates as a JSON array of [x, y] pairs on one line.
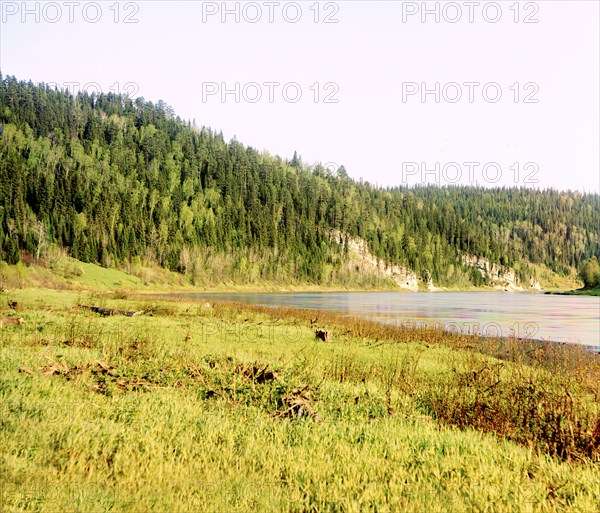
[[362, 260], [500, 277]]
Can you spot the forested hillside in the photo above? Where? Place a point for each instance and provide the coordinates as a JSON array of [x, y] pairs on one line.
[[113, 180]]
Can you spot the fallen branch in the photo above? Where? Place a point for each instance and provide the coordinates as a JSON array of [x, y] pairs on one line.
[[105, 312]]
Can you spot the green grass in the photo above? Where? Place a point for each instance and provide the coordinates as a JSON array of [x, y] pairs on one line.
[[579, 292], [96, 277], [70, 274], [231, 408]]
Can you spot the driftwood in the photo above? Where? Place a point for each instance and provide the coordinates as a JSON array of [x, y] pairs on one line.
[[105, 312], [11, 320], [322, 335]]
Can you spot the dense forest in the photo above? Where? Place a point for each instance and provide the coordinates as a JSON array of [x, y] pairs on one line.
[[112, 179]]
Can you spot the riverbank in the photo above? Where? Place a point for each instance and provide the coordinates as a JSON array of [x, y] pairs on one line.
[[525, 315], [220, 406], [578, 292], [73, 275]]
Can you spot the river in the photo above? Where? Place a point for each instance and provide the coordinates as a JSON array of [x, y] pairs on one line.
[[572, 319]]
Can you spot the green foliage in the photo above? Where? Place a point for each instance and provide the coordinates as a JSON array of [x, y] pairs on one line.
[[114, 180], [589, 272]]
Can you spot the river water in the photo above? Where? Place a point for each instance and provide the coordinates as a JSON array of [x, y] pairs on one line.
[[573, 319]]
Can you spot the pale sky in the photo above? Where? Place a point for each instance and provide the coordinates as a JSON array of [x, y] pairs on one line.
[[375, 61]]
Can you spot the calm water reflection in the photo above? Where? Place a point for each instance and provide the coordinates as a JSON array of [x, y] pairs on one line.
[[573, 319]]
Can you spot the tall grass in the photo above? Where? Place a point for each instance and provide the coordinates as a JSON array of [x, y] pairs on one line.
[[223, 407]]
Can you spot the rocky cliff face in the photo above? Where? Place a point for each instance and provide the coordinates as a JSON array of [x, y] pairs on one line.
[[428, 280], [501, 277], [362, 260]]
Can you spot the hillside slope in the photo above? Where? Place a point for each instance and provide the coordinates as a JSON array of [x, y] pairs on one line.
[[116, 181]]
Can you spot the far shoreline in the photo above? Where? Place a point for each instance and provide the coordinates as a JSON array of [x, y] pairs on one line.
[[595, 292], [317, 289]]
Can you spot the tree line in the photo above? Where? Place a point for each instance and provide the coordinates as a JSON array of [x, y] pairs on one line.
[[113, 179]]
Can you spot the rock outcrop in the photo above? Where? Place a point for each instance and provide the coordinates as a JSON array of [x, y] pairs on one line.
[[363, 260], [428, 280], [500, 277]]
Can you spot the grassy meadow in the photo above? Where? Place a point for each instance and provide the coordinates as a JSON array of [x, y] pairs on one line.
[[215, 407]]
